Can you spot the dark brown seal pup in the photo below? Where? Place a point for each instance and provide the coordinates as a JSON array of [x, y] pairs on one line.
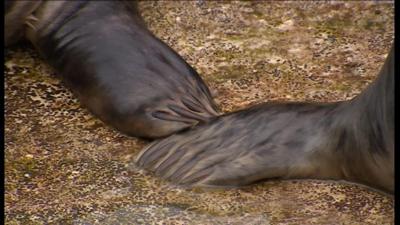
[[350, 140], [114, 65]]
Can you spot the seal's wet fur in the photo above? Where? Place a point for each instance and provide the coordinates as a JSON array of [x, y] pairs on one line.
[[350, 140], [116, 67]]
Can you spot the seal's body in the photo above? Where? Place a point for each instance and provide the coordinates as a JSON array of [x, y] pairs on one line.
[[351, 140], [114, 65]]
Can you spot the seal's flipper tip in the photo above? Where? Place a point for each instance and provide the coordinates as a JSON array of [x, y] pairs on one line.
[[187, 109]]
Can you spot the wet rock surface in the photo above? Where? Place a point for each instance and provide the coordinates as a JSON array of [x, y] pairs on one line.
[[64, 166]]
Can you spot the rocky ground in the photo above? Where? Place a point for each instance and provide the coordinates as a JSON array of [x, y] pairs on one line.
[[64, 166]]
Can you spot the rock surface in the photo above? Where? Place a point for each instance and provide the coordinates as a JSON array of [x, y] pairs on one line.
[[64, 166]]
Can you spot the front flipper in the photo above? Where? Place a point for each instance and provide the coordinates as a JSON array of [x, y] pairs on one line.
[[118, 69], [269, 141], [286, 141]]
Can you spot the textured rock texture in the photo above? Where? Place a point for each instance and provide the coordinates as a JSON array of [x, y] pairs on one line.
[[63, 166]]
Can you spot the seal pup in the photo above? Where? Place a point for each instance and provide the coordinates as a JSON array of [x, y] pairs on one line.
[[116, 67], [349, 140]]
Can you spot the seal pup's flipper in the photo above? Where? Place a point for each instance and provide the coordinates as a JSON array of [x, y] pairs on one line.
[[351, 140], [116, 67]]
